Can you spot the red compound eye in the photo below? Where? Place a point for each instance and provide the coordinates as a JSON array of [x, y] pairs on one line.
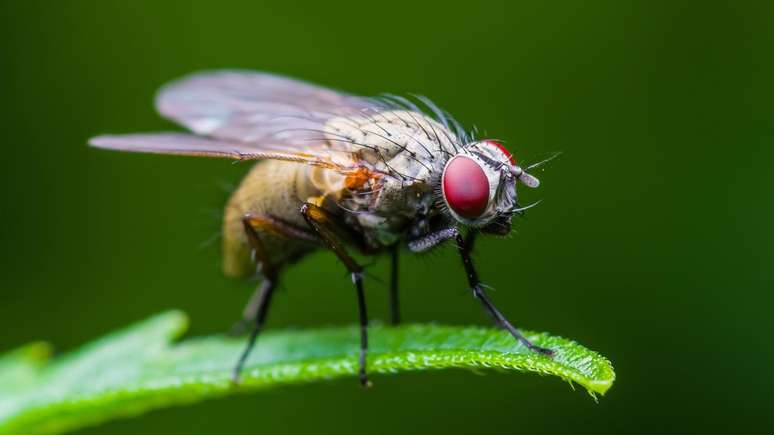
[[465, 187], [502, 149]]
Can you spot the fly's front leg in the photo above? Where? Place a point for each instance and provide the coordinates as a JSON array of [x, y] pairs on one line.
[[470, 240], [464, 246], [258, 306], [326, 225], [430, 241]]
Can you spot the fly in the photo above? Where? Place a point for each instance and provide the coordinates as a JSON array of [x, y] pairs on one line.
[[337, 172]]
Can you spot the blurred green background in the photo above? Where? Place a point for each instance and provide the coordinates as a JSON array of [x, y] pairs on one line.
[[653, 243]]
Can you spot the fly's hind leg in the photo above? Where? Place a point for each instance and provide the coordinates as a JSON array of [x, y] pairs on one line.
[[253, 223], [258, 306], [248, 314], [326, 227]]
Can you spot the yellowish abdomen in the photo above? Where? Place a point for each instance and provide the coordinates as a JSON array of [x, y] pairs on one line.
[[273, 188]]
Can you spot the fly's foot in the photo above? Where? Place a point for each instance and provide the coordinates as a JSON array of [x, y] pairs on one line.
[[235, 378], [541, 350], [364, 381]]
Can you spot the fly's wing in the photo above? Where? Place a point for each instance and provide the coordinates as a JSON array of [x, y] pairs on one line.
[[253, 107], [247, 115], [191, 145]]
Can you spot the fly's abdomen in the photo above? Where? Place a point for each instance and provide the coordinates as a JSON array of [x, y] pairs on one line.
[[271, 188]]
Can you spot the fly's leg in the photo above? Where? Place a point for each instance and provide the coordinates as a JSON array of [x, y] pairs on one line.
[[394, 300], [481, 295], [265, 292], [430, 241], [248, 313], [325, 226], [275, 226], [470, 241], [464, 246], [258, 306]]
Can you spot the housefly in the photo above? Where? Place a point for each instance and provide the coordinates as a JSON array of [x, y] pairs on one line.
[[338, 172]]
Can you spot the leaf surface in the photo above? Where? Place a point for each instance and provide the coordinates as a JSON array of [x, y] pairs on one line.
[[141, 368]]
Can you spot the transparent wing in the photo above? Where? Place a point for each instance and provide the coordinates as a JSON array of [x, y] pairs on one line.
[[191, 145], [256, 108], [248, 115]]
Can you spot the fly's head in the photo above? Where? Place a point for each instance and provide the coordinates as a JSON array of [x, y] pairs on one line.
[[478, 186]]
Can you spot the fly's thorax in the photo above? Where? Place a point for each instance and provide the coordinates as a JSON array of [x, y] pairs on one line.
[[387, 213], [409, 149], [408, 146]]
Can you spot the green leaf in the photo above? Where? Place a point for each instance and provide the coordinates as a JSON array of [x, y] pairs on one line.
[[138, 369]]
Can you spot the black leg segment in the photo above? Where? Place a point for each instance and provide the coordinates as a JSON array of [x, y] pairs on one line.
[[464, 246], [258, 307], [265, 292], [326, 226], [481, 295]]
